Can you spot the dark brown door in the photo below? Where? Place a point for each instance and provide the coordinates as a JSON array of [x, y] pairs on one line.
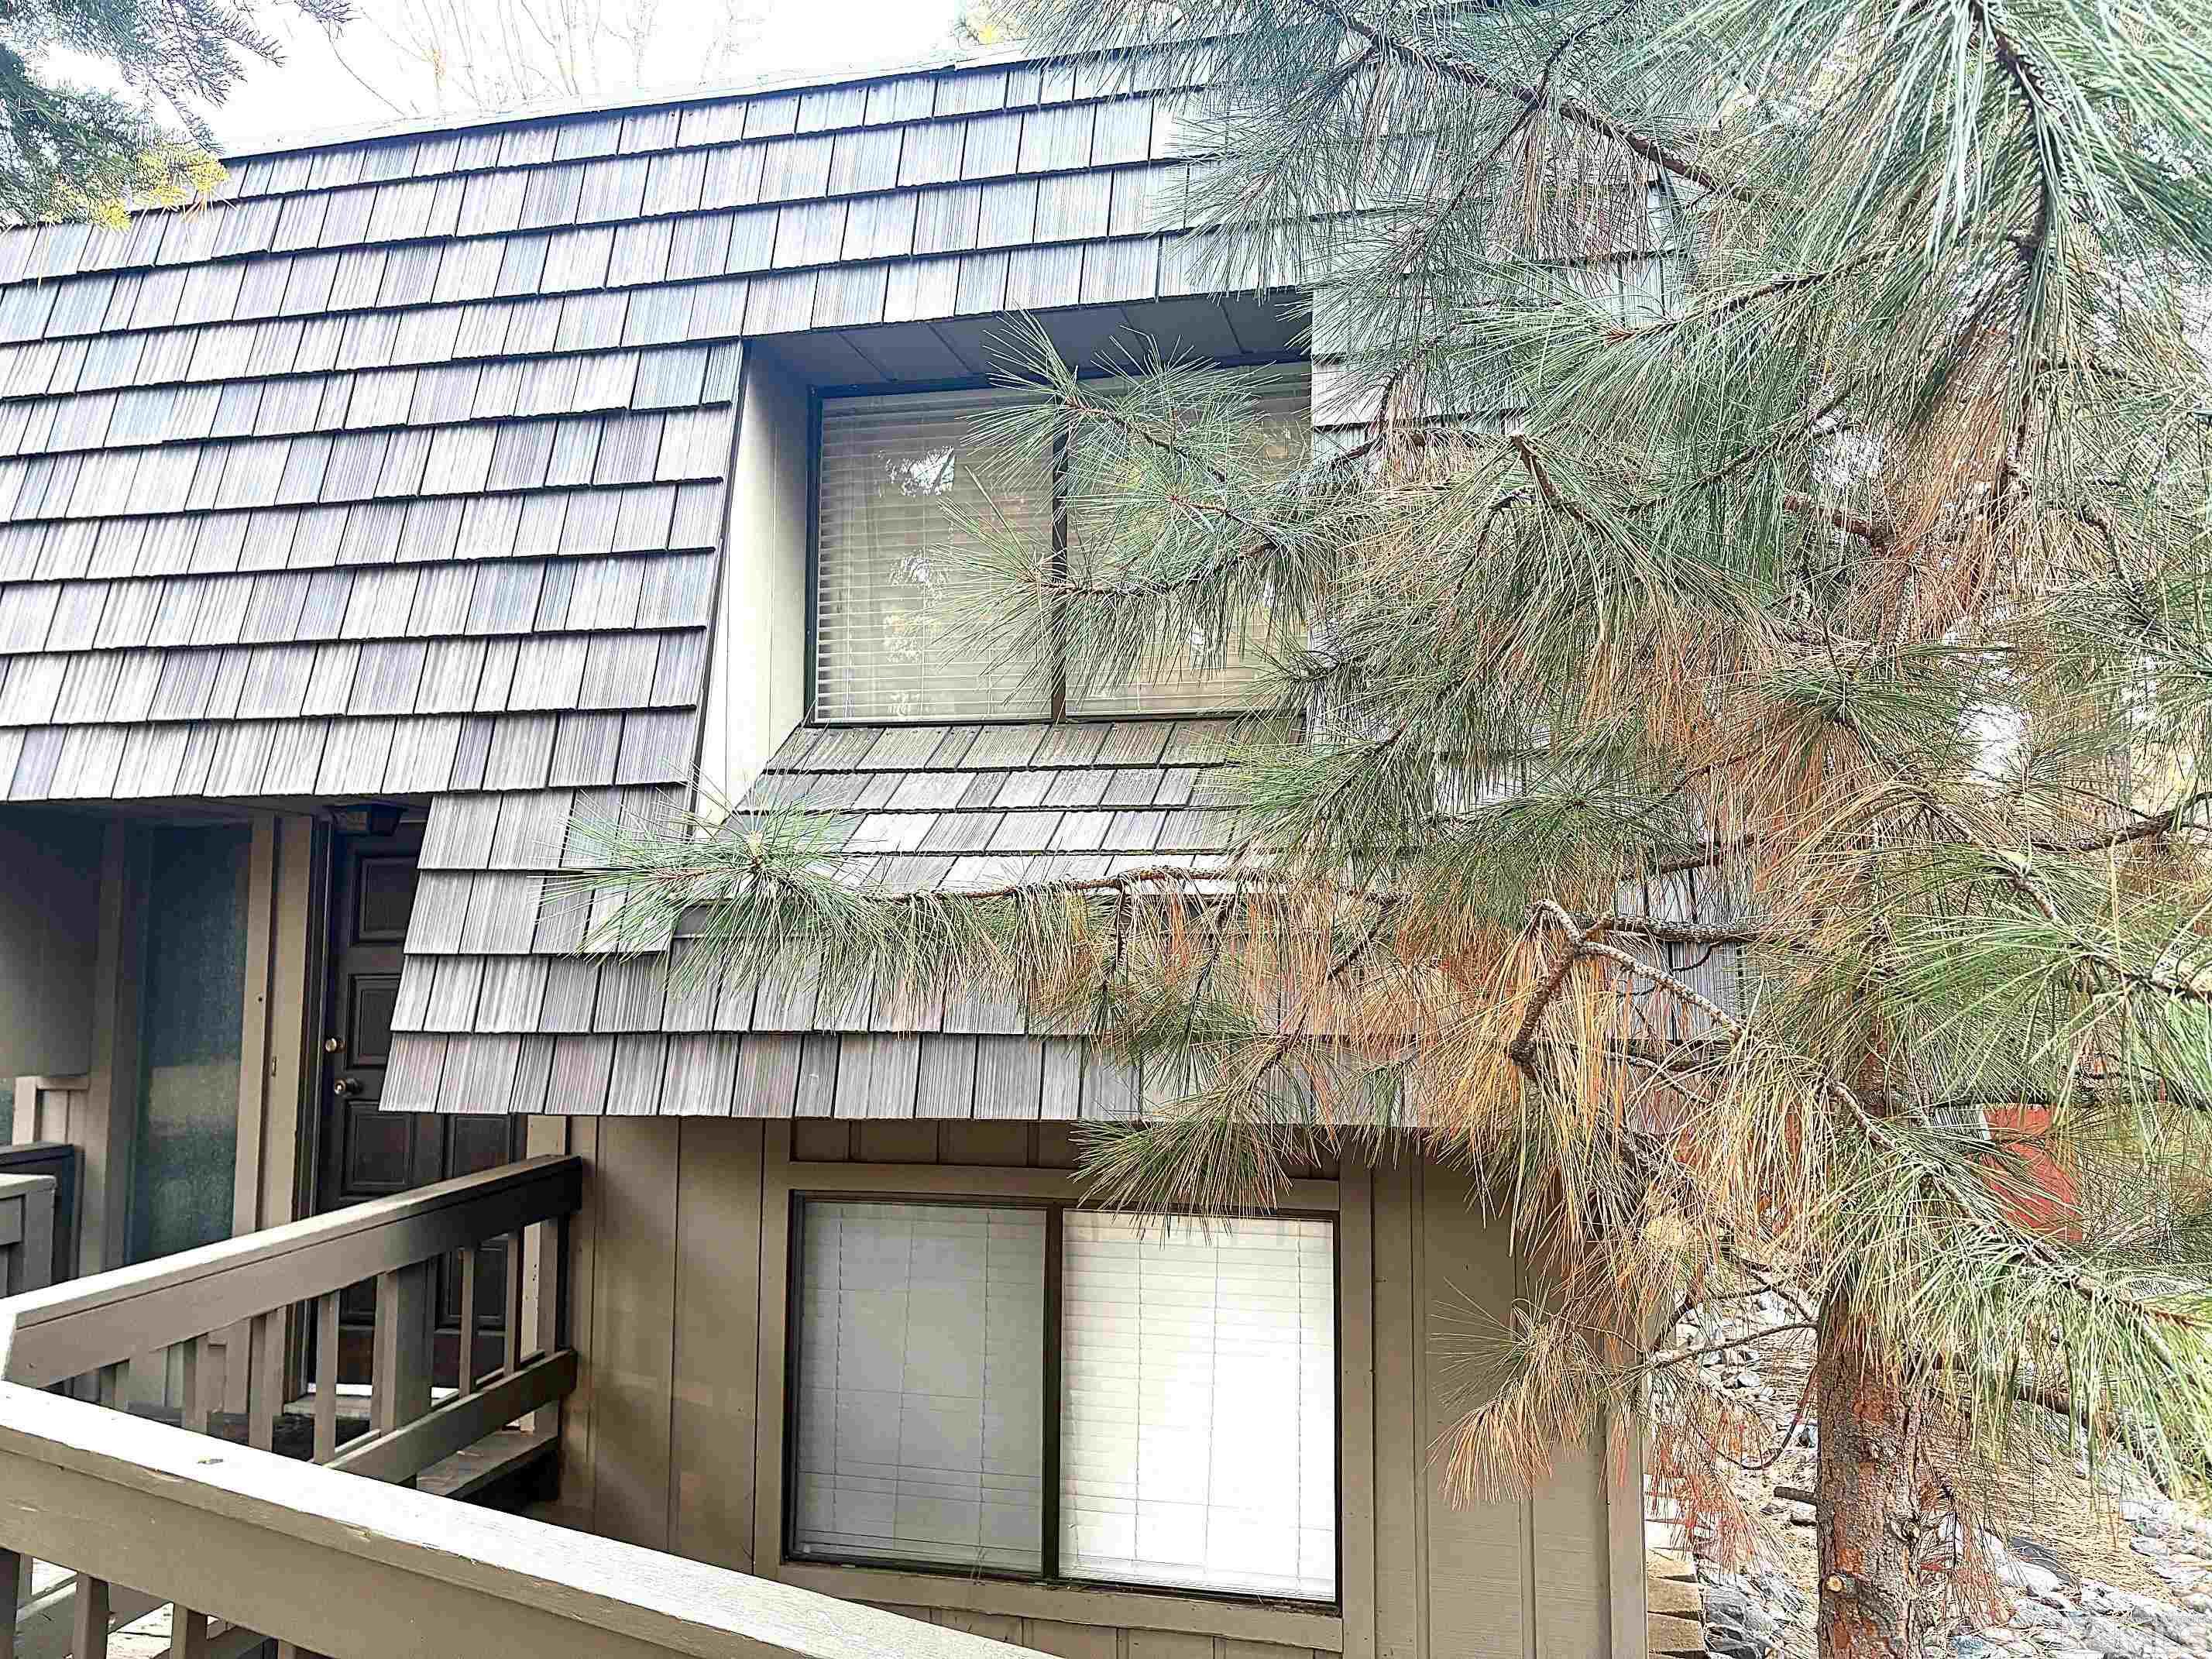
[[367, 1153]]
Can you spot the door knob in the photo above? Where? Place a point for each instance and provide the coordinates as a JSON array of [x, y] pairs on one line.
[[346, 1088]]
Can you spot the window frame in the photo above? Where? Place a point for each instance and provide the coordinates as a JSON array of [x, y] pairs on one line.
[[1048, 1576], [817, 397]]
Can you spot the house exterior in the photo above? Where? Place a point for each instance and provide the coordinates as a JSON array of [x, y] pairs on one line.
[[360, 531]]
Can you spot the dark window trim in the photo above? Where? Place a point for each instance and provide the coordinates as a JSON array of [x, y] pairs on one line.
[[1048, 1576], [1058, 715]]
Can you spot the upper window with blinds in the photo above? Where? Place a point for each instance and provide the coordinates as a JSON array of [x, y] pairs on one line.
[[905, 483]]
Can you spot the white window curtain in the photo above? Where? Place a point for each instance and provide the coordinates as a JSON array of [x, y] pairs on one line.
[[1199, 1404], [1205, 676], [920, 1408], [900, 476]]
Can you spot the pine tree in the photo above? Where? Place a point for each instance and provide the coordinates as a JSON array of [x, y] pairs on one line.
[[1747, 676], [70, 151]]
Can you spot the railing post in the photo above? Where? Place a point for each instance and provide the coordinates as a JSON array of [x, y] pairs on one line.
[[326, 1376], [464, 1368], [188, 1633], [200, 1383], [264, 1378], [543, 1322], [400, 1379], [89, 1637], [511, 1323], [12, 1575]]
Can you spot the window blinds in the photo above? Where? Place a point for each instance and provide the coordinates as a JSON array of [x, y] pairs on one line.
[[920, 1410], [900, 476], [1199, 1417]]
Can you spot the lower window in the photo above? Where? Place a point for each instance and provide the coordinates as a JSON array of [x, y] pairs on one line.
[[1046, 1393]]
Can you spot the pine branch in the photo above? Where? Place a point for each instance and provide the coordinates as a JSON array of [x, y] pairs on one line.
[[1876, 534], [1570, 110], [1665, 1358], [1789, 282], [1585, 943], [2142, 827]]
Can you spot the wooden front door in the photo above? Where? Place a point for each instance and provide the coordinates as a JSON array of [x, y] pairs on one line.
[[366, 1154]]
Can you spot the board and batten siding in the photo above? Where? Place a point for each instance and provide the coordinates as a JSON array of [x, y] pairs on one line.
[[674, 1436]]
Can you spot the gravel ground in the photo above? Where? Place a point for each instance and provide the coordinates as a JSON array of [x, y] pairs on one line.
[[2102, 1568]]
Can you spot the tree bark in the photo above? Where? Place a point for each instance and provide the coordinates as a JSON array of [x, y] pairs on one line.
[[1870, 1516]]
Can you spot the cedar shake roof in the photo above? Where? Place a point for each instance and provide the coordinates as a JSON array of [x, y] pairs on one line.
[[493, 1017], [400, 468], [401, 471]]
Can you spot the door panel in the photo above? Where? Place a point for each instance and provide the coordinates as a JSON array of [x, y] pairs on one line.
[[367, 1153]]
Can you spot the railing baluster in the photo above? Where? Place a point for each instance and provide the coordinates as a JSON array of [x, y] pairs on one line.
[[465, 1371], [200, 1414], [192, 1359], [14, 1571], [264, 1378], [511, 1331], [145, 1380], [326, 1376], [88, 1638], [188, 1633], [400, 1384]]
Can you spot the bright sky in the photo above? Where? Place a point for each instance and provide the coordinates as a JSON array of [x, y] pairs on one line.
[[312, 91]]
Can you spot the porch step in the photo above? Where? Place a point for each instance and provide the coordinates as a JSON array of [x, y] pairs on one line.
[[503, 1471], [1674, 1606]]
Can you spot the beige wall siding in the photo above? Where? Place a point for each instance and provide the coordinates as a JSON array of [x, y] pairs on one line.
[[674, 1438], [756, 669]]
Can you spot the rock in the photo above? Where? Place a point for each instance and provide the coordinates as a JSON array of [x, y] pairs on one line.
[[2027, 1549], [2039, 1582], [2146, 1546]]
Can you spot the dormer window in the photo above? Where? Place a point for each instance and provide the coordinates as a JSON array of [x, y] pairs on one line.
[[899, 476]]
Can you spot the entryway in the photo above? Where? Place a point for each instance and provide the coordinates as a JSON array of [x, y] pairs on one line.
[[364, 1154]]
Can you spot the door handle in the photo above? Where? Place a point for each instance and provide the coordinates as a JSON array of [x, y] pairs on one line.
[[346, 1088]]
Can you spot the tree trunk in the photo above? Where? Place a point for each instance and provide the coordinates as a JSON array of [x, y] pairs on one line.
[[1870, 1516]]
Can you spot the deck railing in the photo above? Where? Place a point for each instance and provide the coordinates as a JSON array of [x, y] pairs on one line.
[[355, 1569], [206, 1332], [247, 1547]]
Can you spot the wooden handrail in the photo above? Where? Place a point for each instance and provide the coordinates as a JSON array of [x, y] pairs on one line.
[[48, 1336], [358, 1569]]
